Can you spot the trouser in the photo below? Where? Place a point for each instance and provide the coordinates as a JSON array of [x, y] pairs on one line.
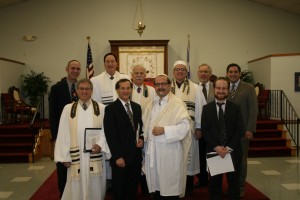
[[203, 176], [244, 166], [61, 177]]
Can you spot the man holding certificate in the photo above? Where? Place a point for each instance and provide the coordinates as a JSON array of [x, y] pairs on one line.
[[123, 129], [81, 146], [222, 128]]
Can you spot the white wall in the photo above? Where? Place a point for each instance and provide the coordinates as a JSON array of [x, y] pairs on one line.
[[277, 73], [221, 31]]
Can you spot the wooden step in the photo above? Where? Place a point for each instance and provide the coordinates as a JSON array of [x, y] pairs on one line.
[[16, 147], [9, 138], [269, 152]]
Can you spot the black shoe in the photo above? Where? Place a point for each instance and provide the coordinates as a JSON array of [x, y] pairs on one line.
[[201, 184]]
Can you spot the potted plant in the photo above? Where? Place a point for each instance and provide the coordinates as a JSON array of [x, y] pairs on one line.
[[35, 85], [247, 76]]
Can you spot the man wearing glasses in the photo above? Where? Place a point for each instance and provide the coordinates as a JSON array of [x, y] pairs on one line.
[[189, 93], [166, 133]]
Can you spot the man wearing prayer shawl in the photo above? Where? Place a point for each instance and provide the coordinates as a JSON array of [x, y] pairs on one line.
[[166, 133], [86, 176], [189, 93]]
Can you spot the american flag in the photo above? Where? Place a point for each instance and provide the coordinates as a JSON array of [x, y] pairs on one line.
[[89, 63], [188, 57]]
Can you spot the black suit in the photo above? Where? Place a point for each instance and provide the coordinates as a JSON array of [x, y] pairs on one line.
[[234, 130], [58, 98], [121, 139]]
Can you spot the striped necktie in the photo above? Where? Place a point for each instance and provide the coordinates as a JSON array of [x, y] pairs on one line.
[[232, 91], [204, 91], [130, 115], [222, 136]]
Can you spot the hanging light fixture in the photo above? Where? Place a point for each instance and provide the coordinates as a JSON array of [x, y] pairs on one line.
[[138, 22]]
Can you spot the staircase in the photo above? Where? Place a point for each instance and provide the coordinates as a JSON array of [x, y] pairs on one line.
[[17, 144], [271, 140]]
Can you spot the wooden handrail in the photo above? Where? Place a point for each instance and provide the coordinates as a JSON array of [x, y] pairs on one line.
[[13, 61], [275, 55]]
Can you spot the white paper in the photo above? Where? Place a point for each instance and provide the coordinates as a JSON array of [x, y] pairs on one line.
[[218, 165], [92, 136]]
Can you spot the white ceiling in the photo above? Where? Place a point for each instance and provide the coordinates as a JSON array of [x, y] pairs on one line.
[[291, 6]]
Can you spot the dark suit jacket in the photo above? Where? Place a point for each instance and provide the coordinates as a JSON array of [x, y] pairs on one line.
[[245, 96], [58, 98], [233, 123], [120, 136]]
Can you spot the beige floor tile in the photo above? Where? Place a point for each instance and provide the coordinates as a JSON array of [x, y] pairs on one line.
[[5, 195], [20, 179], [291, 186], [270, 172]]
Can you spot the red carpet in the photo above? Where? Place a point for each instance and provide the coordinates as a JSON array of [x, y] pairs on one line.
[[49, 191]]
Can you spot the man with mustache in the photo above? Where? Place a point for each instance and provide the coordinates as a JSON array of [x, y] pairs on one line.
[[223, 133], [166, 132]]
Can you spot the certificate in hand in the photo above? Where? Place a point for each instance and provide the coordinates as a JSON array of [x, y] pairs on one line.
[[218, 165], [91, 136]]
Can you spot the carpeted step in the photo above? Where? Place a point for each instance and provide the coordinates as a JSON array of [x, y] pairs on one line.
[[9, 138], [268, 133], [267, 124], [16, 147], [269, 152], [268, 142], [14, 157]]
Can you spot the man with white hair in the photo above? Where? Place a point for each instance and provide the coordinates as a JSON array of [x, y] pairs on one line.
[[190, 94]]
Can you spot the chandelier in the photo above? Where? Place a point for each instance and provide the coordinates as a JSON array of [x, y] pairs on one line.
[[138, 22]]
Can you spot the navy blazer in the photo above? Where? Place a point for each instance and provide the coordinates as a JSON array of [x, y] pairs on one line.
[[233, 123], [120, 135], [58, 98]]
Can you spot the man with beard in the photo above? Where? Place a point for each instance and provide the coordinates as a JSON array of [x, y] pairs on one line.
[[167, 125], [223, 133]]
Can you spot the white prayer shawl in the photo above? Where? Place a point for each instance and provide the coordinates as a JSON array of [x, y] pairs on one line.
[[104, 88], [140, 97], [87, 184], [190, 101], [166, 155]]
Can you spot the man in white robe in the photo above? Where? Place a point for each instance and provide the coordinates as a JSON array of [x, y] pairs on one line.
[[187, 91], [141, 94], [86, 177], [104, 84], [166, 133]]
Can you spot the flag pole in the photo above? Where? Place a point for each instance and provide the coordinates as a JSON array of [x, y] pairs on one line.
[[89, 62], [88, 39], [188, 57]]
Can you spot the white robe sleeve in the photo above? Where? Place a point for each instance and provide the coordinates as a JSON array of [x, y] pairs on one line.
[[102, 140], [200, 102], [62, 145], [175, 133]]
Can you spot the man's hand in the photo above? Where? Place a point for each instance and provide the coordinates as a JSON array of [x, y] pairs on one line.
[[222, 151], [198, 134], [96, 149], [67, 164], [158, 130], [248, 135], [120, 162], [140, 143]]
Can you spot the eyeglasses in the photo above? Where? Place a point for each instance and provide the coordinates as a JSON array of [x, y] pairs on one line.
[[161, 84], [180, 69], [82, 89]]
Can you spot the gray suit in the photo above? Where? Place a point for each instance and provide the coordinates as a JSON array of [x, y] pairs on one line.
[[245, 96]]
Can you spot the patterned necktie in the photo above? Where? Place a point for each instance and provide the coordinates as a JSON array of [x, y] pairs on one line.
[[232, 91], [112, 78], [204, 91], [139, 90], [130, 115], [159, 101], [74, 93], [222, 136], [84, 106]]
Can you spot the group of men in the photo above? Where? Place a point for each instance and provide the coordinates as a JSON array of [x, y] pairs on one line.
[[156, 136]]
